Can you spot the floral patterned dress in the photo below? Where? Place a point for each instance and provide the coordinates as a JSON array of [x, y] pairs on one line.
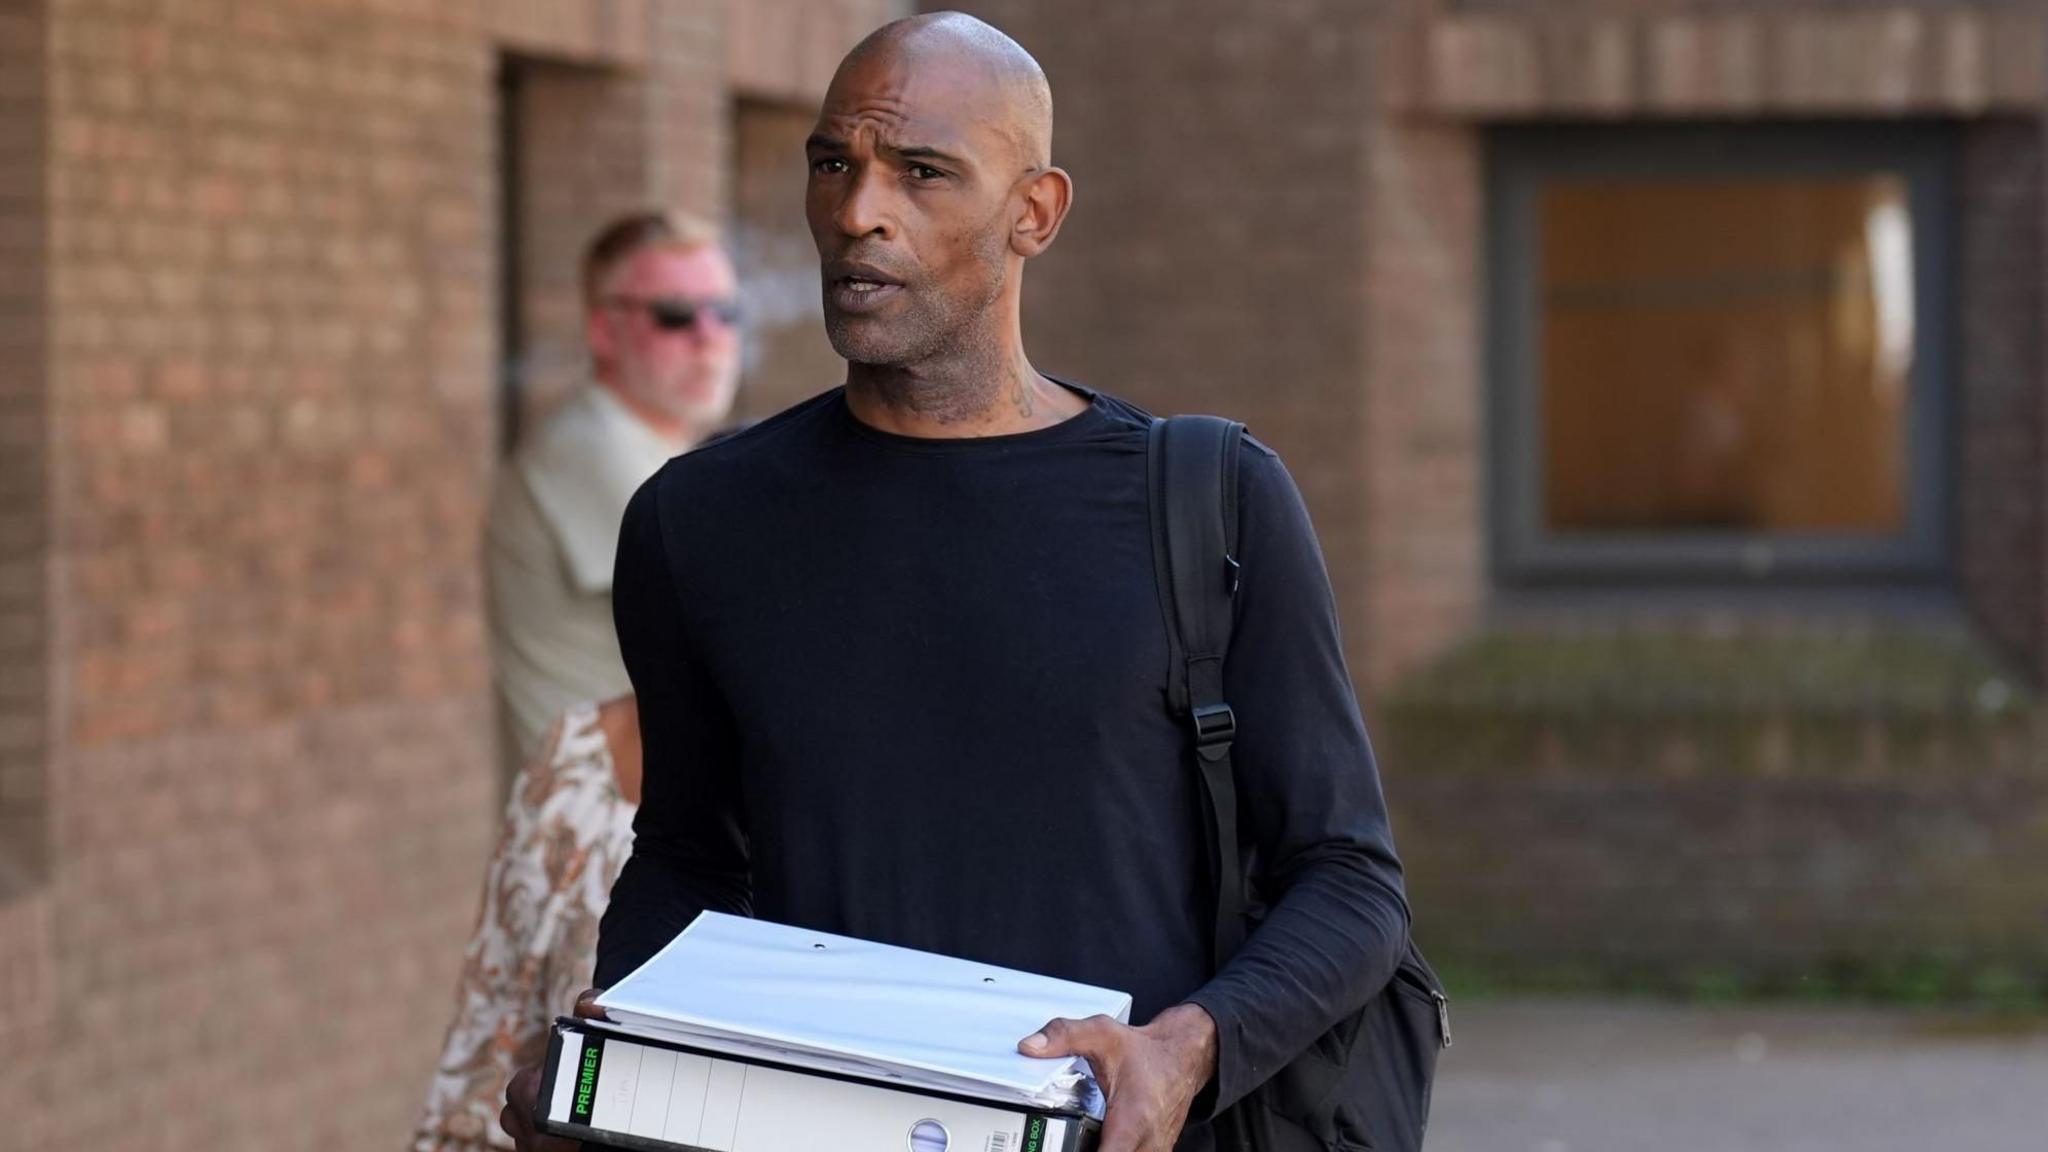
[[567, 833]]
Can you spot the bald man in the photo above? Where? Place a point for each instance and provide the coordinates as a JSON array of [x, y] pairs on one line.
[[905, 680]]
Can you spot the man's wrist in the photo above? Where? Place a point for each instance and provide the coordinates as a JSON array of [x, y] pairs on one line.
[[1192, 1033]]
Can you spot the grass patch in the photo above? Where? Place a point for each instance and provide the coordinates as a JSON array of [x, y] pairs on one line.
[[1930, 672]]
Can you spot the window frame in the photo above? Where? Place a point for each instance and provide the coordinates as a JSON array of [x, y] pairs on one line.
[[1526, 552]]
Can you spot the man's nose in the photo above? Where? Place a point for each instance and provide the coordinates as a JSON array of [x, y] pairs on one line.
[[864, 210]]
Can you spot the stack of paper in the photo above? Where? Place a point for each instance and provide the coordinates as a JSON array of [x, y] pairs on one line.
[[814, 1000]]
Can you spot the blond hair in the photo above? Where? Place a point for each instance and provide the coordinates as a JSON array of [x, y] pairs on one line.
[[629, 235]]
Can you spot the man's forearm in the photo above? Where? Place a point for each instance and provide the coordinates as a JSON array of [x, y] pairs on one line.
[[1328, 943]]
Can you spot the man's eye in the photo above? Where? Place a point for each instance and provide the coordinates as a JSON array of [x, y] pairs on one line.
[[831, 166], [925, 172]]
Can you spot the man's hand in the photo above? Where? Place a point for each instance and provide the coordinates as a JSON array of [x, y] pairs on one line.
[[516, 1118], [1148, 1075]]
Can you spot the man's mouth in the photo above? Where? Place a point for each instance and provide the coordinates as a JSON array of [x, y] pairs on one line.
[[860, 297], [853, 287]]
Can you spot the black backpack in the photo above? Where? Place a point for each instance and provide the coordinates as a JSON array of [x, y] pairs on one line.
[[1366, 1083]]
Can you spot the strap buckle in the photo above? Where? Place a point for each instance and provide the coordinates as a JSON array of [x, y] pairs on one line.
[[1215, 726]]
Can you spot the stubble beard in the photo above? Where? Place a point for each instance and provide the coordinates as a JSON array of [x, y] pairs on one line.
[[925, 333], [698, 404]]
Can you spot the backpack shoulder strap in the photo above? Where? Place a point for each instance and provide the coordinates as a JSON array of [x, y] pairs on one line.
[[1192, 464]]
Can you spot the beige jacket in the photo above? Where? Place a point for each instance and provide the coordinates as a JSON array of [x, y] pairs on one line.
[[552, 535]]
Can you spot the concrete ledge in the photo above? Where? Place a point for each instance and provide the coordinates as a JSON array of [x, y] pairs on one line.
[[1514, 61]]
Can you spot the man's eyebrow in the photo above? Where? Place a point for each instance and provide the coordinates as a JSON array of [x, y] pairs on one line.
[[820, 142], [925, 152]]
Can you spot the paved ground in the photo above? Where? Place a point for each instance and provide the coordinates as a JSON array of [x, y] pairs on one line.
[[1606, 1077]]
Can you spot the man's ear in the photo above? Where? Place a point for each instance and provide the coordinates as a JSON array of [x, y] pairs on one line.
[[1046, 198], [597, 334]]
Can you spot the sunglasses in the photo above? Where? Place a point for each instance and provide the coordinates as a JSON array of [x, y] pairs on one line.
[[676, 313]]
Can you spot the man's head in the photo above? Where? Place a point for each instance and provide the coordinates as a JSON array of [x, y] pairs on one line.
[[659, 316], [931, 182]]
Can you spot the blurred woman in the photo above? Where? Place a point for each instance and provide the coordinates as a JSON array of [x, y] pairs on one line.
[[568, 829]]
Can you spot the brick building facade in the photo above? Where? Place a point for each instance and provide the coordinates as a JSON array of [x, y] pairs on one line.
[[282, 277], [272, 271], [1656, 763]]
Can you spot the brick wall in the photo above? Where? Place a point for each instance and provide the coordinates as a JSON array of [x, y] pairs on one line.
[[1214, 257], [1470, 66], [1699, 836], [241, 498], [1424, 441], [1283, 218], [689, 125], [592, 32], [786, 50], [1505, 59], [788, 357], [616, 122], [248, 414], [1707, 835], [1999, 257], [272, 350], [579, 159]]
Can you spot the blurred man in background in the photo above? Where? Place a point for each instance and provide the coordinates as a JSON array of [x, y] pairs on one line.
[[660, 320]]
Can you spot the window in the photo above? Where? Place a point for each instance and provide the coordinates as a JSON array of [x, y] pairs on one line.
[[25, 469], [1718, 354]]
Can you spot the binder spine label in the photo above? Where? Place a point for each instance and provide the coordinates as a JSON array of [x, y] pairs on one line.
[[584, 1100]]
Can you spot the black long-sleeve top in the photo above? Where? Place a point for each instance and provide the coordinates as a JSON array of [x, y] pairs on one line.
[[913, 690]]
